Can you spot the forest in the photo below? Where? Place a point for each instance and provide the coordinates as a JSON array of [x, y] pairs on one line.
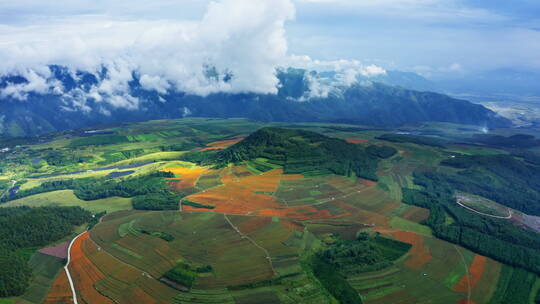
[[496, 238], [23, 228], [502, 178]]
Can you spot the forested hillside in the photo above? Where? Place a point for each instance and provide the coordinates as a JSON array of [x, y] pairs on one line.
[[26, 228], [300, 151]]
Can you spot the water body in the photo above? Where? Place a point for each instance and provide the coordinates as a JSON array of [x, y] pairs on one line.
[[132, 166], [120, 174], [36, 160], [11, 192]]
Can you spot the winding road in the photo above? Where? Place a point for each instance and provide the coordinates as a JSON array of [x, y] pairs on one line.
[[67, 269], [509, 216]]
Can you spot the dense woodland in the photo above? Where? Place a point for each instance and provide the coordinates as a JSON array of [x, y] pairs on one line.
[[496, 238], [299, 151], [502, 178], [25, 228], [519, 141]]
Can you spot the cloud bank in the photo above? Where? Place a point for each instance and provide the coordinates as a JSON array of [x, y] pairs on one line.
[[237, 46]]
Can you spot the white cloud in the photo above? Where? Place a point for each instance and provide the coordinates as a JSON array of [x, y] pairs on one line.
[[244, 39]]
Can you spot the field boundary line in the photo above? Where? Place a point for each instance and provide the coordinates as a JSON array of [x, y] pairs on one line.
[[268, 257]]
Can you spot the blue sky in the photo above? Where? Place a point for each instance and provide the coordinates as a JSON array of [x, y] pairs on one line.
[[433, 37]]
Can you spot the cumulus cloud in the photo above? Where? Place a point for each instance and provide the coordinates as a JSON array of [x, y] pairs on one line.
[[241, 42], [344, 73]]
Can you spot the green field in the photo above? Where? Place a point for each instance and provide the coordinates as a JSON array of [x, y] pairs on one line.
[[67, 198]]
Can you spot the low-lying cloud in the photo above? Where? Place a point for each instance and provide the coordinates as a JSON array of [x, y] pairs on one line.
[[236, 47]]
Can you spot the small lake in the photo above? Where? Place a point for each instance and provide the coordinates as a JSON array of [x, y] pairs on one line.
[[120, 174]]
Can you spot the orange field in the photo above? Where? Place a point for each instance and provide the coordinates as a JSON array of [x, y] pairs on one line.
[[241, 196], [419, 255], [218, 145], [60, 292], [85, 274], [476, 269], [356, 140], [300, 213], [252, 196], [188, 177]]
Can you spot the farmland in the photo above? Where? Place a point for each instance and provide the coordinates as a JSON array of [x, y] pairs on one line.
[[246, 231]]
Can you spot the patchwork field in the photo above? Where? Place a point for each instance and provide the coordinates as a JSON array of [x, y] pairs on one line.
[[261, 224], [245, 231]]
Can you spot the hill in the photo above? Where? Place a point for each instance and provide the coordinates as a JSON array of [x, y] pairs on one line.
[[75, 101], [299, 152]]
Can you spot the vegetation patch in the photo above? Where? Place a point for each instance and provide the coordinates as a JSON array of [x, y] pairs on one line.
[[22, 229], [182, 274], [514, 286], [197, 205]]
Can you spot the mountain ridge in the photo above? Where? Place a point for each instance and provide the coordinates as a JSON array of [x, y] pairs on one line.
[[365, 102]]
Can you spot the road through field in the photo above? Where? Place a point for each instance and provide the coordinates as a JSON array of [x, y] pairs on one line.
[[67, 269], [268, 257]]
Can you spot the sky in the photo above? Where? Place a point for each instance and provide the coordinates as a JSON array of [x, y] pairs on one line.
[[173, 43]]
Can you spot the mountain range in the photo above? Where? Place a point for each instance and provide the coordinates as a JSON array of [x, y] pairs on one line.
[[365, 102]]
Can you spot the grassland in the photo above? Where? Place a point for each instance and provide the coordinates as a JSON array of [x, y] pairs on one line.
[[67, 198]]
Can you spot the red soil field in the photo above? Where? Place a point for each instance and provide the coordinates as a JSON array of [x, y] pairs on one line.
[[476, 269], [188, 177], [250, 195], [300, 213], [84, 274], [465, 301], [60, 292], [218, 145], [241, 197], [356, 140], [419, 255], [59, 251]]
